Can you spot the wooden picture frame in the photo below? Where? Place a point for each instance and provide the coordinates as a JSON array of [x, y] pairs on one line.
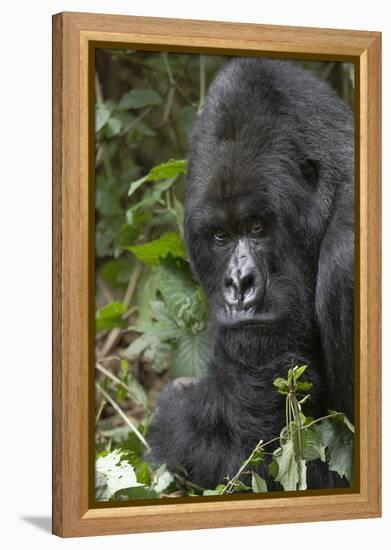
[[75, 35]]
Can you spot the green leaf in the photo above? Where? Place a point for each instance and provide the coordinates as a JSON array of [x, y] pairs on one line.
[[140, 344], [113, 127], [150, 253], [113, 474], [152, 347], [117, 272], [313, 445], [337, 437], [146, 293], [272, 468], [342, 417], [191, 355], [213, 492], [105, 232], [135, 99], [298, 371], [162, 479], [102, 115], [110, 316], [125, 236], [258, 484], [290, 469], [257, 458], [143, 474], [184, 298], [166, 171], [179, 214], [303, 386], [107, 201], [282, 385], [136, 391]]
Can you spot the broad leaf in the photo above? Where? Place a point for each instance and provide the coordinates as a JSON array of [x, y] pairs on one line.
[[191, 355], [135, 99], [290, 469], [337, 437], [150, 253], [113, 474], [110, 316], [258, 484], [167, 171], [184, 298], [102, 115]]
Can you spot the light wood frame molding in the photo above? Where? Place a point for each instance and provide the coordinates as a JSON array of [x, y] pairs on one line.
[[73, 35]]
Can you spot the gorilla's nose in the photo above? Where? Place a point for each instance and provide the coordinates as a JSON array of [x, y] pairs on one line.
[[240, 287]]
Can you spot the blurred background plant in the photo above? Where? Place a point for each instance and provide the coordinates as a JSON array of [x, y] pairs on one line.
[[151, 315]]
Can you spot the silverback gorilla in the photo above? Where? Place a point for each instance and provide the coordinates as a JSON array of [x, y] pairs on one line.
[[269, 228]]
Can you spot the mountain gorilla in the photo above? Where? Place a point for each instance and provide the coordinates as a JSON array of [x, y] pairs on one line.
[[269, 228]]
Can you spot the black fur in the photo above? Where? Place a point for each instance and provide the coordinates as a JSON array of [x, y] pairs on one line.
[[273, 143]]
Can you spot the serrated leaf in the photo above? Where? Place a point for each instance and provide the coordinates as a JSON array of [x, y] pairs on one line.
[[137, 98], [151, 253], [313, 445], [342, 417], [140, 344], [291, 469], [258, 484], [190, 357], [114, 474], [183, 297], [338, 439]]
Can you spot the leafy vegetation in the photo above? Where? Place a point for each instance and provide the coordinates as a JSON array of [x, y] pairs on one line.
[[302, 439], [151, 315]]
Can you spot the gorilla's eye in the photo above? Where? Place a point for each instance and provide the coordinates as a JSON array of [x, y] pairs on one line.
[[220, 235], [257, 226]]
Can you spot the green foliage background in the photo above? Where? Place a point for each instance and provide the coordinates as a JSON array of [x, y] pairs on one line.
[[151, 316]]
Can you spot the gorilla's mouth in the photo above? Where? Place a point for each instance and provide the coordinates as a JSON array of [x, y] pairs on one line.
[[245, 319]]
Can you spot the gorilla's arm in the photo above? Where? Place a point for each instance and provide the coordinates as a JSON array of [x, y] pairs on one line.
[[210, 427]]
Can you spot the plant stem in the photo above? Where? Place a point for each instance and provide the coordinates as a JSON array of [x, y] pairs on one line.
[[202, 85], [118, 409], [100, 410], [231, 484]]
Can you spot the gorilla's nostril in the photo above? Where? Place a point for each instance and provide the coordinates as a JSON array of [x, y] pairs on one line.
[[246, 283], [229, 282]]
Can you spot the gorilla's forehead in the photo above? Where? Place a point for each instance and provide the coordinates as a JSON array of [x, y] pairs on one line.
[[245, 179]]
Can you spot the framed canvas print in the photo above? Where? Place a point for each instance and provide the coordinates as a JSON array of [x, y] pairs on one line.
[[216, 295]]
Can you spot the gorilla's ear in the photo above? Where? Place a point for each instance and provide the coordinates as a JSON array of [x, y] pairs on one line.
[[334, 305], [310, 171]]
